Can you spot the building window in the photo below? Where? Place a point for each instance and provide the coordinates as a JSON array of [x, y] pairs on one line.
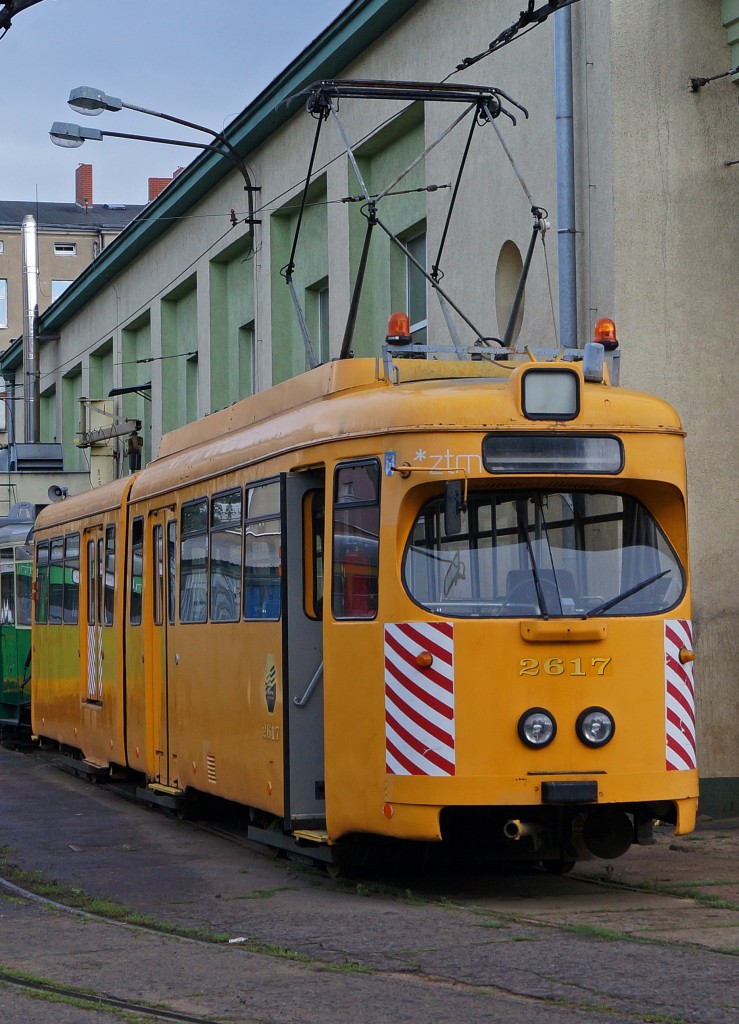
[[247, 360], [65, 248], [3, 302], [324, 349], [415, 284], [57, 287]]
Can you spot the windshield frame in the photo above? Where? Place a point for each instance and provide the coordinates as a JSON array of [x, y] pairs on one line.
[[630, 565]]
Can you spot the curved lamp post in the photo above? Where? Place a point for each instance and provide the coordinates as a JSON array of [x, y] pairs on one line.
[[90, 101]]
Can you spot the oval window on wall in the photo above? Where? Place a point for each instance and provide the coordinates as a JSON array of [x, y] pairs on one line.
[[507, 275]]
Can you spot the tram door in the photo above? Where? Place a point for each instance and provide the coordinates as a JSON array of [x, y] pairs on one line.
[[163, 539], [302, 582]]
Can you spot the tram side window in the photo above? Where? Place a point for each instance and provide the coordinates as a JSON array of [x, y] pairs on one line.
[[157, 566], [137, 568], [262, 552], [42, 581], [313, 527], [171, 570], [71, 579], [225, 556], [91, 576], [7, 590], [356, 533], [23, 584], [56, 580], [109, 577], [194, 561]]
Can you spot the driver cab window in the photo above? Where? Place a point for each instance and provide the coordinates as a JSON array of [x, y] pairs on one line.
[[356, 535]]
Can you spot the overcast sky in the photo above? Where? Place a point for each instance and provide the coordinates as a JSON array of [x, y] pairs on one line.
[[203, 60]]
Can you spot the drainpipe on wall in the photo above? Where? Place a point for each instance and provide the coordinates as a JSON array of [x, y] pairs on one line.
[[566, 231], [29, 240], [730, 21]]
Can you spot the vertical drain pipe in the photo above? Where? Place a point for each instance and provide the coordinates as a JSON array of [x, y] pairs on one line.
[[566, 231], [29, 239]]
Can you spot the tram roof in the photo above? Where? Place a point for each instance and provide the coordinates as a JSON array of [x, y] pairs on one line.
[[353, 398], [94, 502]]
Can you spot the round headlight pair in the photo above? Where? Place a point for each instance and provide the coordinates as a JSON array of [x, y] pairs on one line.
[[595, 727], [537, 727]]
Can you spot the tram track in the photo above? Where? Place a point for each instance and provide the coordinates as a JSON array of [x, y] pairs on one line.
[[221, 828], [151, 970], [88, 1000]]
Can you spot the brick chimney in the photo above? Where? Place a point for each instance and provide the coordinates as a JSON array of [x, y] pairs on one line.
[[157, 186], [83, 185]]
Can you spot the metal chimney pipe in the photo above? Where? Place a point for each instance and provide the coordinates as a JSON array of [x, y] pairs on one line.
[[31, 397]]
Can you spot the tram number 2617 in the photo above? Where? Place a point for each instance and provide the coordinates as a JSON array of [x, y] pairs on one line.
[[565, 667]]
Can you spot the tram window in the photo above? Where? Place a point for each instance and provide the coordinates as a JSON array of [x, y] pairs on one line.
[[157, 564], [101, 577], [533, 553], [42, 581], [262, 552], [23, 588], [313, 526], [56, 580], [109, 583], [7, 590], [91, 577], [171, 570], [194, 561], [225, 556], [71, 578], [356, 531], [137, 569]]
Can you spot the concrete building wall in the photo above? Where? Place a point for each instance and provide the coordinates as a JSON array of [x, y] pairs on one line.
[[675, 242], [656, 227]]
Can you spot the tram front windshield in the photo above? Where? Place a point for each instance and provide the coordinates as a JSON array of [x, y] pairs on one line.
[[542, 553]]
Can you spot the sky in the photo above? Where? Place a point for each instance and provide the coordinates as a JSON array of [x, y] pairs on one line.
[[202, 60]]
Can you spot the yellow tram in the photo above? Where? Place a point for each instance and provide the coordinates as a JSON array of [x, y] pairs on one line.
[[425, 599]]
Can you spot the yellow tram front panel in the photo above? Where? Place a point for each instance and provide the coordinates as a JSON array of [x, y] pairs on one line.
[[423, 704]]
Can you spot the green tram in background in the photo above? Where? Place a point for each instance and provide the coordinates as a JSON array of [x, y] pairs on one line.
[[16, 577]]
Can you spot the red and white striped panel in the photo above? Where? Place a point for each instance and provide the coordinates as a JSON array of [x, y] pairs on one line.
[[680, 750], [419, 702]]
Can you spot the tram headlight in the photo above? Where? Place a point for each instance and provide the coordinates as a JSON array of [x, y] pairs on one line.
[[595, 727], [537, 727]]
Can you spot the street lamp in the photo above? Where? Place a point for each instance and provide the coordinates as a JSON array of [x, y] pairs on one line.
[[91, 102]]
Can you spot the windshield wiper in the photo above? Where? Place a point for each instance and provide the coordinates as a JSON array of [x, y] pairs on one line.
[[624, 594], [534, 568]]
